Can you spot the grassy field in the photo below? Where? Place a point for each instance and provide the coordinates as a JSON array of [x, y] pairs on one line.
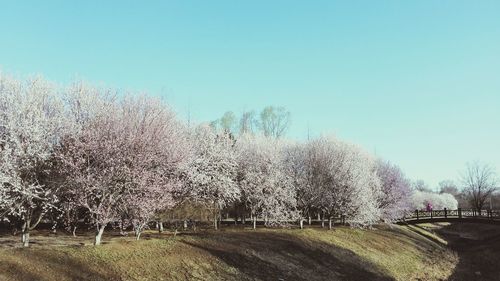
[[382, 253]]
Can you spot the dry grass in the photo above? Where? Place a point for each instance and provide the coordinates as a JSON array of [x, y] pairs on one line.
[[401, 252], [382, 253]]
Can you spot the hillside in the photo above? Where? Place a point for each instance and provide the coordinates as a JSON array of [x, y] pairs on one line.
[[382, 253]]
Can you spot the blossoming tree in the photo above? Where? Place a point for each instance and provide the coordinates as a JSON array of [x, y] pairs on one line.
[[31, 122], [267, 189], [210, 177]]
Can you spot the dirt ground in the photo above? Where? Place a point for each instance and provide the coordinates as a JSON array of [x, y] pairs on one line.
[[477, 246]]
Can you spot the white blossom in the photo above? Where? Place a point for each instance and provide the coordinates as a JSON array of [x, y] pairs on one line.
[[31, 123], [267, 189]]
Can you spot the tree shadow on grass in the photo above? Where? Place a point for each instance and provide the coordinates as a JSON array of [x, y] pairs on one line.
[[277, 256], [40, 265], [14, 271]]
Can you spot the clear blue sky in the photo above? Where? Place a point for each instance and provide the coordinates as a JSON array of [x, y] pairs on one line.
[[416, 81]]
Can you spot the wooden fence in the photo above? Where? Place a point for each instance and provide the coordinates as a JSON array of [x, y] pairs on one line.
[[458, 214]]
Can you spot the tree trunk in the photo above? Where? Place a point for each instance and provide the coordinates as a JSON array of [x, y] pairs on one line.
[[254, 222], [185, 224], [330, 223], [28, 226], [323, 222], [215, 221], [160, 227], [301, 223], [309, 220], [138, 231], [122, 229], [74, 231], [98, 235], [26, 238]]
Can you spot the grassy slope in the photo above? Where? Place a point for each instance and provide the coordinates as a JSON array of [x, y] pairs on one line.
[[384, 253]]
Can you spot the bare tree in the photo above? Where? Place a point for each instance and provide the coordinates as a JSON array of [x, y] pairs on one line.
[[274, 121], [248, 122], [421, 185], [226, 124], [479, 182], [448, 186]]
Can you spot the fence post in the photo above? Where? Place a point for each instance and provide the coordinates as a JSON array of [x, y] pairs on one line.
[[417, 213], [445, 213], [459, 213]]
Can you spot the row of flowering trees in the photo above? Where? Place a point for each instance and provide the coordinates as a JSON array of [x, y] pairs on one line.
[[83, 154]]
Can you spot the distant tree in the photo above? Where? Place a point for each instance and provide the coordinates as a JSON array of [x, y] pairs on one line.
[[421, 185], [448, 186], [248, 122], [274, 121], [420, 199], [479, 182], [228, 122]]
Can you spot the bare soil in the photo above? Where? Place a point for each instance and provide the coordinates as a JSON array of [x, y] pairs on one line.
[[478, 249]]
